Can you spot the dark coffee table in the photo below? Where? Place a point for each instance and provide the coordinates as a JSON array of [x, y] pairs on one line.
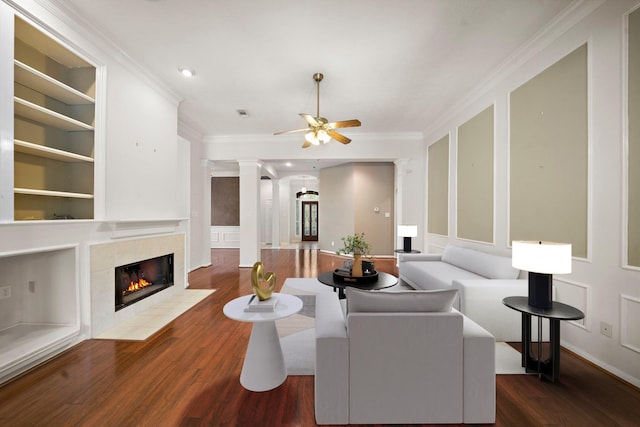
[[385, 280]]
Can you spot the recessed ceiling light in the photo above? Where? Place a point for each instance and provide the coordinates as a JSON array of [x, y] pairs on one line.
[[288, 164], [187, 72]]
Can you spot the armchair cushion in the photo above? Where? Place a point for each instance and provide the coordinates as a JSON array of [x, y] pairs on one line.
[[399, 302]]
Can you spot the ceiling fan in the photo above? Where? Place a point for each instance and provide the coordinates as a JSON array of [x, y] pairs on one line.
[[320, 130]]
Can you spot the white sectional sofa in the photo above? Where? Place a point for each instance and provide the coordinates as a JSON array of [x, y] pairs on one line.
[[483, 280], [438, 271], [401, 358]]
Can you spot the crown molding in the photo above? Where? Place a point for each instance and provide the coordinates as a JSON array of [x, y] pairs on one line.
[[188, 131]]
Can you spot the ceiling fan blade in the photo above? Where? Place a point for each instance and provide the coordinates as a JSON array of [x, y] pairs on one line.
[[306, 144], [291, 131], [310, 119], [345, 124], [338, 137]]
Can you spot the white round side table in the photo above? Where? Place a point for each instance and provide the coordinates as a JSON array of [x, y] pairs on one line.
[[263, 367]]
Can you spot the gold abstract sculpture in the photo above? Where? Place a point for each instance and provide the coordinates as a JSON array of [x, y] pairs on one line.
[[258, 275]]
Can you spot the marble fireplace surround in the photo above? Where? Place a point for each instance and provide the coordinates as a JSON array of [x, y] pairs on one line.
[[106, 256]]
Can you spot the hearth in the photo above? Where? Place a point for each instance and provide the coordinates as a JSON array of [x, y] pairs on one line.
[[138, 280]]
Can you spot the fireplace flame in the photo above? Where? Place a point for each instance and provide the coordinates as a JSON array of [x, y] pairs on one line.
[[136, 286]]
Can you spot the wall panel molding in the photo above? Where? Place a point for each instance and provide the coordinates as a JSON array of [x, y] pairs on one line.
[[438, 187], [475, 194], [225, 237], [630, 322], [631, 137], [549, 197], [575, 294]]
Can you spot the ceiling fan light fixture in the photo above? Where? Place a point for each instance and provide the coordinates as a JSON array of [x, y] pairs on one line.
[[312, 138], [319, 130], [323, 136]]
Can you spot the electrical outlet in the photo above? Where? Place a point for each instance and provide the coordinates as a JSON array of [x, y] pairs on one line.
[[606, 329], [5, 292]]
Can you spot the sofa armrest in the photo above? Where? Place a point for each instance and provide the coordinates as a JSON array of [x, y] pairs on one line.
[[332, 361], [481, 300], [474, 292], [419, 257], [479, 374]]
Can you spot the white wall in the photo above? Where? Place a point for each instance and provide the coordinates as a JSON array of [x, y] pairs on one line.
[[141, 149], [599, 285]]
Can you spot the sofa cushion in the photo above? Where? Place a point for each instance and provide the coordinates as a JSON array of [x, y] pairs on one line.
[[399, 302], [487, 265]]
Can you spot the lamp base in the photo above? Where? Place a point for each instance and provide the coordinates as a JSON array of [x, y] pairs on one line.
[[540, 285], [407, 244]]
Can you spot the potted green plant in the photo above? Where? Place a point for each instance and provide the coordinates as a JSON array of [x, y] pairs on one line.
[[358, 247]]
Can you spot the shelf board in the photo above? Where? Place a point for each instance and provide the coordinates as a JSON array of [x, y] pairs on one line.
[[48, 152], [50, 193], [48, 117], [34, 37], [34, 79]]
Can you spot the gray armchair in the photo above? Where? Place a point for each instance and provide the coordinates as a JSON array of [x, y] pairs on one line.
[[378, 366]]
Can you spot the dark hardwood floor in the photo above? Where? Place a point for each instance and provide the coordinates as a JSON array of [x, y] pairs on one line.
[[188, 373]]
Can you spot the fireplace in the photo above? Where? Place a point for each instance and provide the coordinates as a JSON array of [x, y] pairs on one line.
[[141, 279]]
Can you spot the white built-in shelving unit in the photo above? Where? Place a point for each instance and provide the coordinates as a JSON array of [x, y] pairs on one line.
[[47, 146], [54, 116]]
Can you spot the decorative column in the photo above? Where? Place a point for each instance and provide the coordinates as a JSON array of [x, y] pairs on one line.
[[203, 224], [284, 217], [249, 212], [275, 216]]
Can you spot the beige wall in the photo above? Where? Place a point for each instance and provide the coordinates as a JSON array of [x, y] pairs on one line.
[[549, 155], [475, 178], [438, 187], [348, 195], [374, 205], [336, 211]]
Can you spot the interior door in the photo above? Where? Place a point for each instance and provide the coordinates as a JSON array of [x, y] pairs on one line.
[[310, 221]]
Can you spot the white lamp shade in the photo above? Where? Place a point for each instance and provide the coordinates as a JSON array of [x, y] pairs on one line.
[[542, 257], [407, 230]]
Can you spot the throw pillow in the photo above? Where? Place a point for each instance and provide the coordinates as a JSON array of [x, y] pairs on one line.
[[359, 300]]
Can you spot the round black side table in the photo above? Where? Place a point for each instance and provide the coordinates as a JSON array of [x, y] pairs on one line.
[[549, 368]]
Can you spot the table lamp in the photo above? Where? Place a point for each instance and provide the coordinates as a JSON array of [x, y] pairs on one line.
[[407, 231], [541, 260]]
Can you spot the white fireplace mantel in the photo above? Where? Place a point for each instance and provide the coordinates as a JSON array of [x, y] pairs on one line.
[[123, 228]]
